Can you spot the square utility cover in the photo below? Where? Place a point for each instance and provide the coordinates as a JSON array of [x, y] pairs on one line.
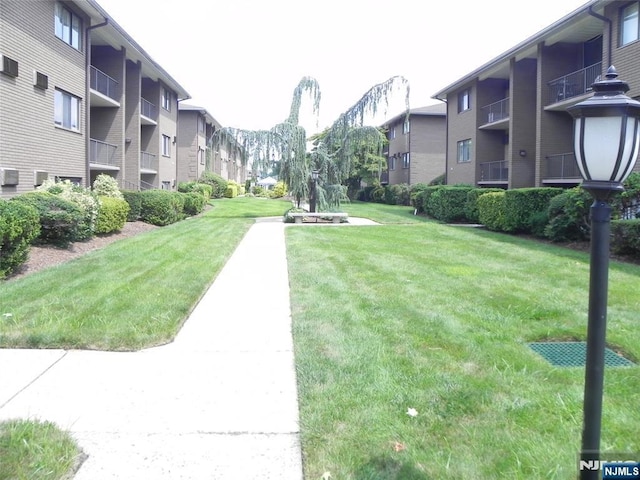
[[574, 354]]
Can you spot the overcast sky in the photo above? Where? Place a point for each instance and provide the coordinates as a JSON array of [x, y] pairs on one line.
[[242, 59]]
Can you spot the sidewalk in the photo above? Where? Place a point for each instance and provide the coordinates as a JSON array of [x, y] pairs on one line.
[[220, 402]]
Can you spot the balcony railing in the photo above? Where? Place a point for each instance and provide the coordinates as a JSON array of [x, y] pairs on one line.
[[102, 153], [494, 171], [147, 161], [494, 112], [103, 83], [573, 84], [562, 166], [147, 109]]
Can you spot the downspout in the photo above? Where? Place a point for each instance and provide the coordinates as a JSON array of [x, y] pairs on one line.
[[608, 22], [87, 95]]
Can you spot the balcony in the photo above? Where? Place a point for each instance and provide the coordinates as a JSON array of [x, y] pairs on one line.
[[148, 163], [102, 155], [148, 113], [495, 115], [573, 85], [562, 169], [104, 89], [494, 173]]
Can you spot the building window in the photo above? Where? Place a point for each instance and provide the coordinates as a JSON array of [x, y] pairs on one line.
[[68, 26], [405, 160], [630, 24], [201, 124], [66, 110], [392, 133], [464, 151], [406, 126], [201, 155], [464, 102], [392, 163], [166, 99], [166, 146]]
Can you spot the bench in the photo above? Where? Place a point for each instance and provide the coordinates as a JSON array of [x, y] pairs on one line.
[[334, 216]]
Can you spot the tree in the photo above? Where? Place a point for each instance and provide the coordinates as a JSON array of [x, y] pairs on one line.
[[344, 150]]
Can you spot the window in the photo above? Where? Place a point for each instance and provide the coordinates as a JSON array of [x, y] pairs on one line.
[[392, 163], [630, 25], [464, 102], [9, 66], [201, 124], [405, 160], [392, 133], [201, 155], [464, 151], [166, 99], [405, 126], [68, 26], [66, 110], [166, 146]]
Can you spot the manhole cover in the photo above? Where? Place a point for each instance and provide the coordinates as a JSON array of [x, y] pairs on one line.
[[574, 354]]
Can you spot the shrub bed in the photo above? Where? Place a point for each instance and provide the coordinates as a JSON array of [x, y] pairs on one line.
[[160, 207], [112, 214]]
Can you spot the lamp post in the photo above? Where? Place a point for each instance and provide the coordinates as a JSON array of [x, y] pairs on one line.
[[606, 141], [314, 186]]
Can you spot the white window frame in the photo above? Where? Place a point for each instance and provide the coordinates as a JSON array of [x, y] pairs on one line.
[[392, 133], [464, 151], [166, 146], [630, 23], [66, 110], [406, 127], [166, 99], [392, 163], [406, 160], [68, 26], [464, 100]]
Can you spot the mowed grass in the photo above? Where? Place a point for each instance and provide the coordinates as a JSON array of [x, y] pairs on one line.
[[436, 318], [134, 293]]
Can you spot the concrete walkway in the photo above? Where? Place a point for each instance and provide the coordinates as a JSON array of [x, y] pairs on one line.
[[220, 402]]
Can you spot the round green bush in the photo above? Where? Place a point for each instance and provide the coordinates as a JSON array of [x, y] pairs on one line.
[[160, 207], [193, 203], [19, 226], [134, 199], [60, 220], [112, 214]]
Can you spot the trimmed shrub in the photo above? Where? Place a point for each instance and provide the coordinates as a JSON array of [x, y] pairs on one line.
[[471, 203], [203, 189], [186, 187], [377, 194], [82, 197], [194, 203], [218, 184], [491, 212], [626, 237], [397, 194], [134, 199], [568, 216], [279, 190], [232, 190], [106, 186], [439, 180], [161, 207], [446, 203], [112, 214], [415, 196], [522, 205], [19, 226], [60, 219]]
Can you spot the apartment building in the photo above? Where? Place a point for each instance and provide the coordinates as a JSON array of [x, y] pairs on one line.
[[80, 97], [507, 121], [196, 127], [416, 150]]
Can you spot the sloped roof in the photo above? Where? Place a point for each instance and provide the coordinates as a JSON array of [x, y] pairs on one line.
[[203, 111], [436, 110], [577, 26]]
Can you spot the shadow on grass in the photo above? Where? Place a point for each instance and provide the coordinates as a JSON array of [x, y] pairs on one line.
[[385, 467]]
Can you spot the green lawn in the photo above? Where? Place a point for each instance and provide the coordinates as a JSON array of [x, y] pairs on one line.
[[436, 318], [407, 315]]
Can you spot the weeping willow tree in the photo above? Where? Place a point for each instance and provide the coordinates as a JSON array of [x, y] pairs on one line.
[[334, 149]]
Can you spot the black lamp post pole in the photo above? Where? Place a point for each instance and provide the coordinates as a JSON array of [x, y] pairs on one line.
[[596, 333], [314, 186]]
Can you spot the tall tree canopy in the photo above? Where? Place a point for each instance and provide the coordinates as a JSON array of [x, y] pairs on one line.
[[346, 144]]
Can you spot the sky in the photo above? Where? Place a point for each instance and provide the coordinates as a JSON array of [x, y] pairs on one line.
[[242, 59]]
